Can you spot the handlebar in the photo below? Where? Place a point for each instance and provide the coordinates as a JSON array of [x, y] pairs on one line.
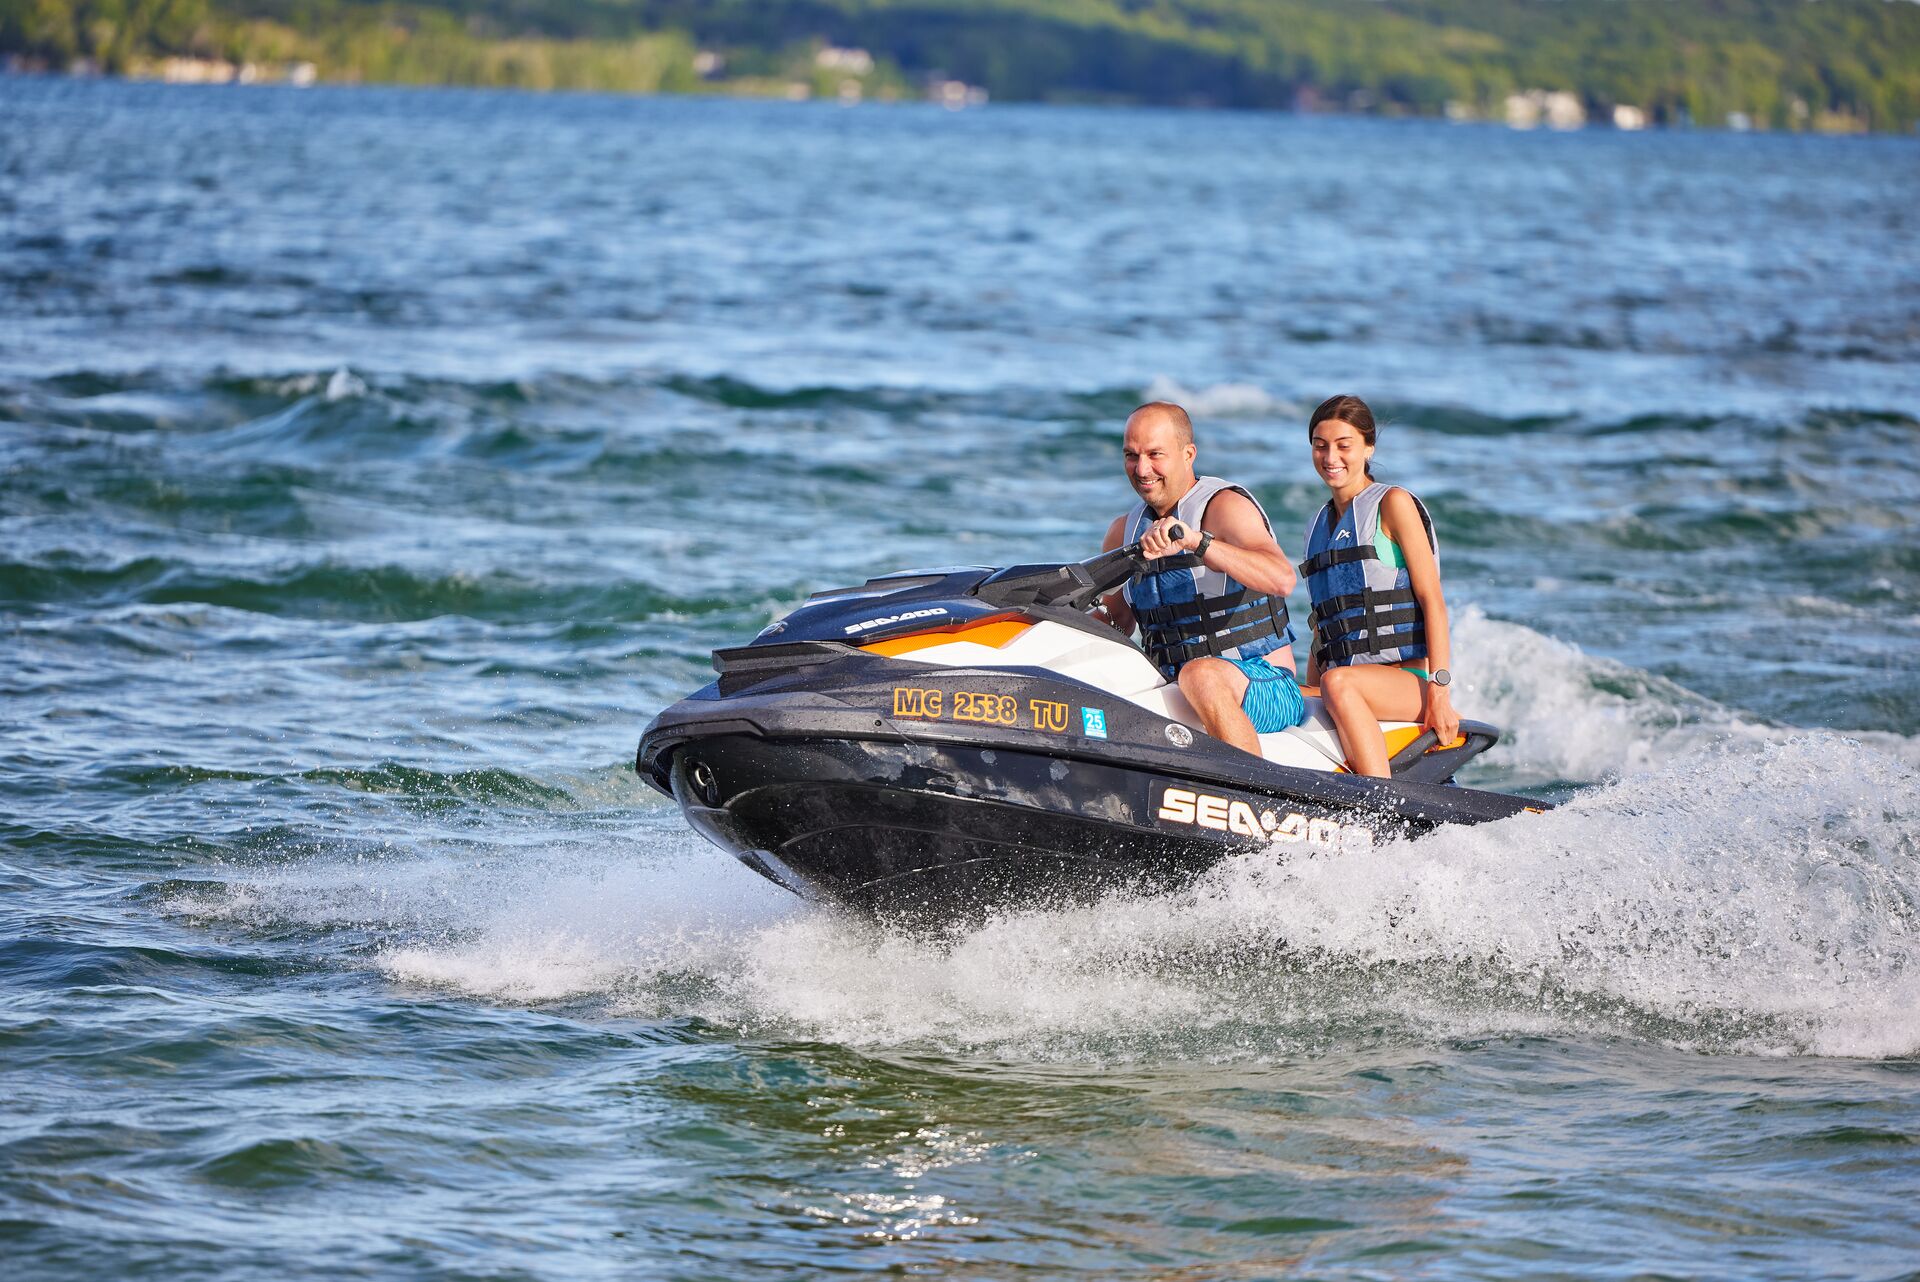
[[1077, 585]]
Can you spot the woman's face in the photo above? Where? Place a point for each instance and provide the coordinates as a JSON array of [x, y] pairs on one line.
[[1340, 453]]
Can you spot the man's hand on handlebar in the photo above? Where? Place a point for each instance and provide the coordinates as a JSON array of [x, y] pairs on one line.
[[1168, 536]]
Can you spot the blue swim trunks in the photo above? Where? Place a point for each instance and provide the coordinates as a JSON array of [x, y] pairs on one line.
[[1273, 700]]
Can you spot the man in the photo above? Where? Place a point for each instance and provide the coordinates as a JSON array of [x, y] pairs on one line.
[[1213, 612]]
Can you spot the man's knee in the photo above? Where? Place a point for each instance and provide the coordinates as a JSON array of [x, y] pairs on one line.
[[1207, 679]]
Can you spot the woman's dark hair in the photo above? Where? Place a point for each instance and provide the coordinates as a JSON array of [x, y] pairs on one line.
[[1348, 409]]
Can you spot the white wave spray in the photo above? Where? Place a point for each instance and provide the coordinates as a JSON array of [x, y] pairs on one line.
[[1568, 715], [1740, 889], [1753, 899]]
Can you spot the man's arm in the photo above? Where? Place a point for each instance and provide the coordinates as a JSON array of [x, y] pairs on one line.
[[1242, 545], [1118, 612]]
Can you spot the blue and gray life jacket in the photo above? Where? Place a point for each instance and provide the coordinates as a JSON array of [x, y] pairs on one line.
[[1187, 611], [1364, 610]]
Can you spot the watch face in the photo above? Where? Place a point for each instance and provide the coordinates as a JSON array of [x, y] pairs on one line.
[[1441, 677]]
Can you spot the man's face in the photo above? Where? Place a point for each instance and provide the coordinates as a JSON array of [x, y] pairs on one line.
[[1159, 466]]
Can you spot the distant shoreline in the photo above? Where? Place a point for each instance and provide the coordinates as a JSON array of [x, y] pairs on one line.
[[965, 98], [1791, 66]]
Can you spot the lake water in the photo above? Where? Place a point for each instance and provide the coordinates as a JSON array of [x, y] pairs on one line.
[[374, 464]]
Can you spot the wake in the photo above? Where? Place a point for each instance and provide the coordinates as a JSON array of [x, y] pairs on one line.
[[1734, 888]]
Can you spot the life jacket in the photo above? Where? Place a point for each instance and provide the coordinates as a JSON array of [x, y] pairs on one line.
[[1364, 610], [1187, 611]]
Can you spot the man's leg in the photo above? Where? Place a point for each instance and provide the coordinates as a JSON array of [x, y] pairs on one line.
[[1215, 687], [1359, 698]]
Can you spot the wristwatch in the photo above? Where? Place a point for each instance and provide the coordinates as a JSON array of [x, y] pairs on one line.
[[1206, 541], [1441, 677]]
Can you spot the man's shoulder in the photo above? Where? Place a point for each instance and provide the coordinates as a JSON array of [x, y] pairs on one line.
[[1231, 496], [1235, 513]]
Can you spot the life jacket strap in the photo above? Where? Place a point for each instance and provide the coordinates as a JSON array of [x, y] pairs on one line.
[[1336, 556], [1178, 634], [1367, 643], [1369, 600], [1217, 610], [1365, 633]]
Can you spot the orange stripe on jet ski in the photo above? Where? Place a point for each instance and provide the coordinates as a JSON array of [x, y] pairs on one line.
[[993, 632], [1398, 739]]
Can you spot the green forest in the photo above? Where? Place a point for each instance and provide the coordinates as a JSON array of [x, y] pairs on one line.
[[1780, 64]]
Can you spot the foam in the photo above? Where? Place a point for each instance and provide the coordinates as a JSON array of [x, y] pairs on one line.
[[1755, 899], [1220, 400], [1738, 889], [542, 933], [1752, 898], [1568, 715], [341, 384]]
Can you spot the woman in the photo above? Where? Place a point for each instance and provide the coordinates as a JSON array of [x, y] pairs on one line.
[[1380, 649]]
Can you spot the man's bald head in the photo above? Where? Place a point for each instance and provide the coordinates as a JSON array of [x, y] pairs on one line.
[[1159, 453], [1164, 411]]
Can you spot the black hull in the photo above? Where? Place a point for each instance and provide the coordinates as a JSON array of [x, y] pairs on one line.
[[899, 828], [899, 788]]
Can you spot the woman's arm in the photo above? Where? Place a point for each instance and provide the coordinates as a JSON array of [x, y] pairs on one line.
[[1404, 526]]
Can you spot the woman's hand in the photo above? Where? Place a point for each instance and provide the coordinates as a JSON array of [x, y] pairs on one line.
[[1438, 715]]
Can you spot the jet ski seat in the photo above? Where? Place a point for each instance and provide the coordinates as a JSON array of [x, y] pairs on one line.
[[1317, 732], [1314, 744]]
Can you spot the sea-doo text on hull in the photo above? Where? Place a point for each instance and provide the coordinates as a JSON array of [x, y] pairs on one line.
[[954, 740]]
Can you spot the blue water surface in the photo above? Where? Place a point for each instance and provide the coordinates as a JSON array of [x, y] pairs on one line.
[[375, 463]]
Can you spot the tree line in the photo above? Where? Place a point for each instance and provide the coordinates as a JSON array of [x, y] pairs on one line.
[[1784, 64]]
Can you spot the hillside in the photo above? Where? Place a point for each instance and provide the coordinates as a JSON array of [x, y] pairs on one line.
[[1787, 64]]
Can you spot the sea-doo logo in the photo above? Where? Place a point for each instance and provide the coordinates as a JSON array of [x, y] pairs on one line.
[[1223, 814], [931, 612]]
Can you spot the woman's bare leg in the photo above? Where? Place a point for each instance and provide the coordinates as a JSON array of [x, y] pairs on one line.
[[1359, 698]]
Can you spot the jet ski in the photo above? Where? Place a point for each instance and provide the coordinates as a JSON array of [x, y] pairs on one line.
[[963, 740]]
